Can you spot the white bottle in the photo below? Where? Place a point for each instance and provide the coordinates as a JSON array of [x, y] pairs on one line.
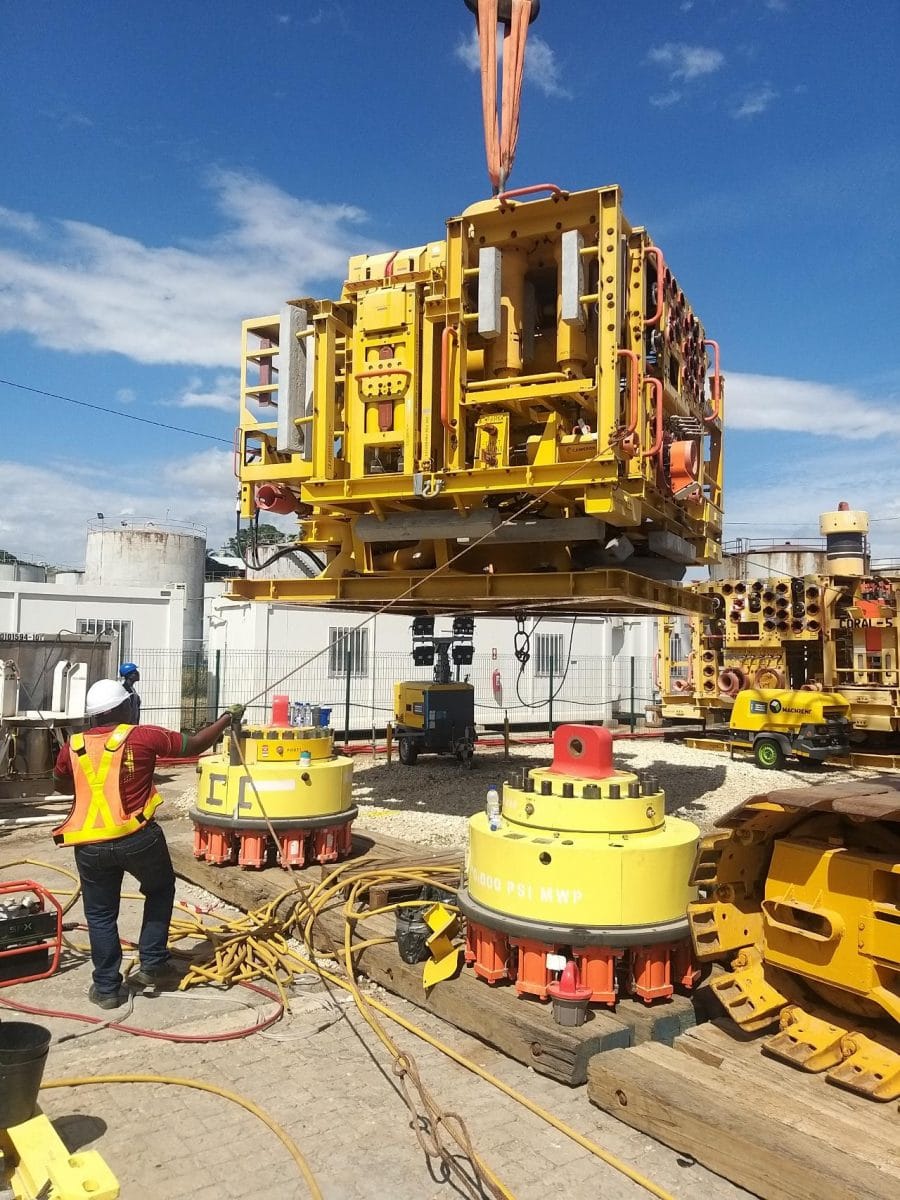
[[492, 808]]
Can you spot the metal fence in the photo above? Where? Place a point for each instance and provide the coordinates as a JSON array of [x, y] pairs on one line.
[[188, 689]]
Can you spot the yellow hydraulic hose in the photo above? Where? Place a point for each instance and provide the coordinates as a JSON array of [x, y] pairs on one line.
[[290, 1145], [604, 1155], [254, 945], [326, 890]]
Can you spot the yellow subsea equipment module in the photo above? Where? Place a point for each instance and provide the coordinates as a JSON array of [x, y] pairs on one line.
[[528, 410], [279, 778], [801, 891], [802, 616], [579, 863]]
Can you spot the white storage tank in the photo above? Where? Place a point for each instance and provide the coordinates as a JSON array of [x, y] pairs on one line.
[[746, 559], [13, 571], [163, 554]]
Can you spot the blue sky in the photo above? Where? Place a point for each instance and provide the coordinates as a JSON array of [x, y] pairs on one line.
[[172, 168]]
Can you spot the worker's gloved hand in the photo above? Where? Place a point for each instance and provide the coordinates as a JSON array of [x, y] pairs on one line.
[[235, 711]]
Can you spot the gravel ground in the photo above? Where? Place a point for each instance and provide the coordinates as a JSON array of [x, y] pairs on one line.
[[431, 802]]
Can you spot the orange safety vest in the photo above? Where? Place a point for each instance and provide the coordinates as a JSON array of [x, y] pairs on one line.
[[97, 814]]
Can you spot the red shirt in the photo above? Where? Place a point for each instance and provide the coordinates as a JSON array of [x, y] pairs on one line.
[[144, 744]]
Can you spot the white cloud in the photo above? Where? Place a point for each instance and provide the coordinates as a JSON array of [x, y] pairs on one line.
[[222, 394], [46, 513], [541, 64], [758, 402], [666, 99], [83, 288], [785, 499], [469, 53], [23, 223], [542, 69], [687, 62], [755, 101], [126, 395]]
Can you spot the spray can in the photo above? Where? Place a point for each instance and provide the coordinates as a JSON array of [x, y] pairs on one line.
[[492, 808]]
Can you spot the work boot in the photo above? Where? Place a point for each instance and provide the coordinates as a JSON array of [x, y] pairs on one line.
[[167, 975], [107, 999]]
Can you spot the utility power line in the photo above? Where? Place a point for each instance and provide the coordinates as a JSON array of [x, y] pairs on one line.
[[115, 412]]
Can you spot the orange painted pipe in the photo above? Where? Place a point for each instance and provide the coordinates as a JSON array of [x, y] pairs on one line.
[[556, 191], [660, 284], [449, 333], [632, 390], [716, 384], [656, 448]]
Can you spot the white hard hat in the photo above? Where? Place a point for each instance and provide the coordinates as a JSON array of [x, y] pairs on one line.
[[104, 696]]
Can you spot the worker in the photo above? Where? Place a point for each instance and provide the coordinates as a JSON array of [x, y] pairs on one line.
[[111, 827], [131, 676]]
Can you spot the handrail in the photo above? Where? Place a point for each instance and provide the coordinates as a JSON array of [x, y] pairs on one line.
[[483, 385], [558, 193], [716, 384], [378, 371], [449, 332], [660, 284], [658, 439], [632, 391]]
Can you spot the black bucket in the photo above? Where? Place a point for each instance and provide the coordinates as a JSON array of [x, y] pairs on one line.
[[23, 1056], [412, 934], [412, 931]]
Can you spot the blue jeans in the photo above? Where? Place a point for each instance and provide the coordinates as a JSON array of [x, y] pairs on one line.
[[102, 865]]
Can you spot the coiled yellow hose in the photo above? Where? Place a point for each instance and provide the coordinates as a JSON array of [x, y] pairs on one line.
[[256, 945]]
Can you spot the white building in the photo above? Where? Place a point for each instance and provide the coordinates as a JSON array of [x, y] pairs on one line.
[[137, 619], [591, 668]]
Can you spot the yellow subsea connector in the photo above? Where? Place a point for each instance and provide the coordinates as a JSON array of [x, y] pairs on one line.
[[276, 779], [581, 862]]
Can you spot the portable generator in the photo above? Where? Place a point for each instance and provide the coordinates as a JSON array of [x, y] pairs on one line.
[[437, 716], [30, 932]]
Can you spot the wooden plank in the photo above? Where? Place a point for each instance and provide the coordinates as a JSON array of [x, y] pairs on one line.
[[717, 1044], [788, 1100], [382, 894], [522, 1028], [729, 1128], [660, 1022], [791, 1106]]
